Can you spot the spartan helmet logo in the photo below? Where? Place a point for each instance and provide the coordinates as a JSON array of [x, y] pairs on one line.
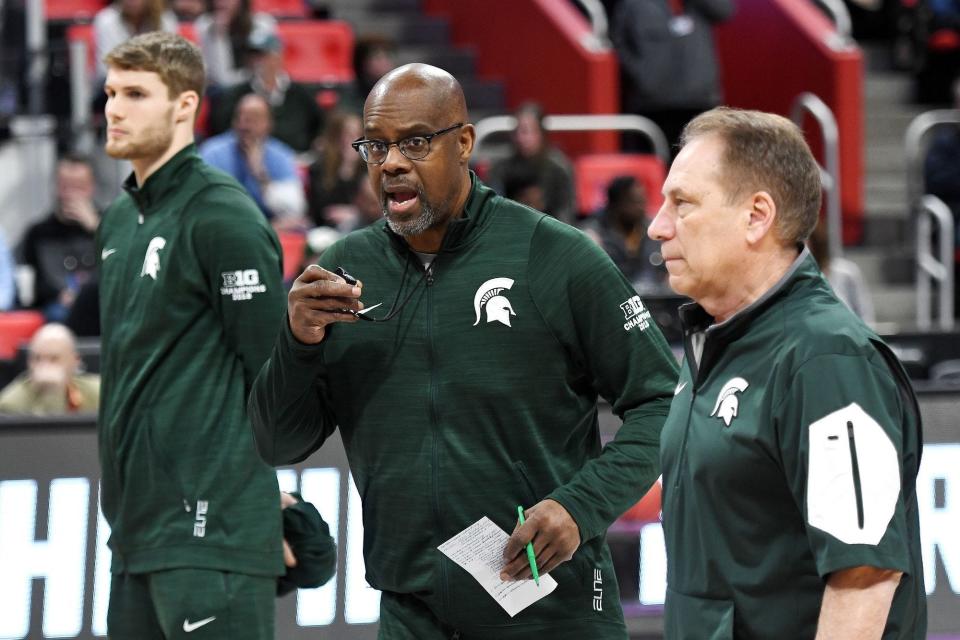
[[728, 403], [151, 262], [489, 296]]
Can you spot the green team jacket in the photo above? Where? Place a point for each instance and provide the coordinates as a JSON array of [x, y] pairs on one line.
[[791, 452], [190, 296], [479, 396]]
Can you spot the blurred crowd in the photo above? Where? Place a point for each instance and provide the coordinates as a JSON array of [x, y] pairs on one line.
[[289, 143]]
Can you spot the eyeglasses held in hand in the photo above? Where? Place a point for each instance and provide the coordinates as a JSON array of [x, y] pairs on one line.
[[414, 147]]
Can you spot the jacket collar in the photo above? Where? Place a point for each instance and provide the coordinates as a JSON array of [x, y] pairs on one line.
[[695, 318], [704, 340], [463, 229], [161, 181]]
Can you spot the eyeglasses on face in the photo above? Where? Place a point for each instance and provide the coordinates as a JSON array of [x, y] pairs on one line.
[[414, 147]]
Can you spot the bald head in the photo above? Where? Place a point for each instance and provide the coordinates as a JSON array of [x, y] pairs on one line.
[[252, 118], [438, 91], [53, 355], [416, 117]]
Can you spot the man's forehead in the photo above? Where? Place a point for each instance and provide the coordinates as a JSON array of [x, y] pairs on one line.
[[402, 111], [129, 77]]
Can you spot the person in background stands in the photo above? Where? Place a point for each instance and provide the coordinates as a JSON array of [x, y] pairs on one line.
[[123, 19], [532, 152], [263, 165], [668, 61], [224, 33], [296, 116], [941, 172], [52, 383]]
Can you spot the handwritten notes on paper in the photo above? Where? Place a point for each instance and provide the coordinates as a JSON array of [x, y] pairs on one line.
[[479, 550]]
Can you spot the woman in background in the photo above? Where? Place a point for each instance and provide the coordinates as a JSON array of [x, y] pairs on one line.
[[123, 19], [224, 32]]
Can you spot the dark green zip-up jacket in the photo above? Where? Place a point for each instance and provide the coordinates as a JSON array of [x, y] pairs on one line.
[[479, 396], [791, 452], [190, 296]]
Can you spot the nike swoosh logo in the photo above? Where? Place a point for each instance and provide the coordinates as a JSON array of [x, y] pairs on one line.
[[106, 253], [679, 388], [193, 626]]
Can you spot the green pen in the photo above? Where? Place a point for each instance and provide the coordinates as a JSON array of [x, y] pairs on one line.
[[532, 558]]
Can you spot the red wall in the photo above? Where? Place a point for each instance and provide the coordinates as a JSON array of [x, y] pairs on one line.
[[533, 46], [773, 50]]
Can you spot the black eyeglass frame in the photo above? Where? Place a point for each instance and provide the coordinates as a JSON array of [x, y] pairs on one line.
[[361, 142]]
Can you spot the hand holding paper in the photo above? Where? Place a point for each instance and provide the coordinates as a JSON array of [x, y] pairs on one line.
[[479, 550]]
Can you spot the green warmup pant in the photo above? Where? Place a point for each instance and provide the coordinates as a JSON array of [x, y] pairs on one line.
[[191, 604]]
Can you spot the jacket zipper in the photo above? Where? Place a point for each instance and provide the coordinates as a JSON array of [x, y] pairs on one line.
[[855, 464], [126, 278], [435, 424]]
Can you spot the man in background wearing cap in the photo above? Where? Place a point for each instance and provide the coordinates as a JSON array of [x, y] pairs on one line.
[[296, 116]]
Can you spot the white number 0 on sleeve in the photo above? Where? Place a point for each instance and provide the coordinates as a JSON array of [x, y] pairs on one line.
[[853, 476]]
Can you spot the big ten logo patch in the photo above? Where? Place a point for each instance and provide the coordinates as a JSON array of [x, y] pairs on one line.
[[635, 314], [200, 523], [241, 284]]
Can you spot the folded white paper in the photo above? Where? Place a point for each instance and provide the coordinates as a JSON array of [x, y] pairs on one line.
[[479, 550]]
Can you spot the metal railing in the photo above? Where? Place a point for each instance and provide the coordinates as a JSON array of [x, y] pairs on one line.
[[914, 144], [589, 122], [840, 16], [928, 209], [830, 174], [599, 37], [929, 267]]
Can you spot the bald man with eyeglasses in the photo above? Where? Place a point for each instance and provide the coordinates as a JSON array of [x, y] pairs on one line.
[[471, 387]]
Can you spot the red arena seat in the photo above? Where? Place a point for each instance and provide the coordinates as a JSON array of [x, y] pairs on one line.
[[282, 8], [16, 328], [71, 10], [595, 171], [293, 245], [318, 51]]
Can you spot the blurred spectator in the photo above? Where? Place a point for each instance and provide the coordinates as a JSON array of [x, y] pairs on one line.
[[124, 19], [263, 165], [52, 383], [224, 32], [8, 286], [296, 115], [942, 176], [844, 275], [621, 230], [942, 165], [668, 59], [523, 186], [532, 152], [373, 56], [61, 249], [188, 10], [338, 171]]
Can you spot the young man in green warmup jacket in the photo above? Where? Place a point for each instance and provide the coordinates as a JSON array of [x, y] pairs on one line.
[[189, 292], [791, 452], [476, 391]]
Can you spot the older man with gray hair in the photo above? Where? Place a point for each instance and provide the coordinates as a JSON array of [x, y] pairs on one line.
[[791, 451]]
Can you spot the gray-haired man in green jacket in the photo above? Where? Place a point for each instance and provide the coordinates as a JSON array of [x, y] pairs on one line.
[[475, 388], [190, 289]]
